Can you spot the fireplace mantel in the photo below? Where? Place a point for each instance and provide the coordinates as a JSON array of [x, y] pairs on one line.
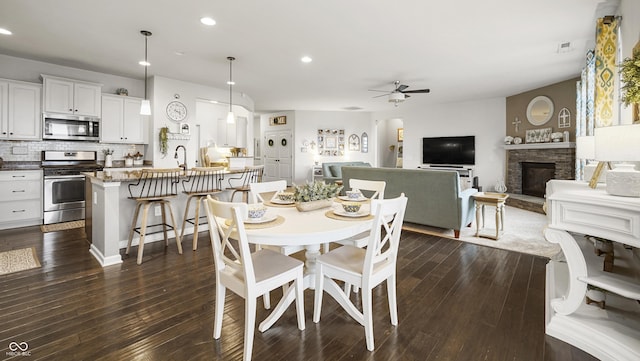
[[551, 145]]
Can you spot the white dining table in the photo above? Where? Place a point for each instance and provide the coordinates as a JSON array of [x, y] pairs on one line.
[[310, 229]]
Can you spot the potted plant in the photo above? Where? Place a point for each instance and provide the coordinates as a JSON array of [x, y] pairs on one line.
[[630, 74], [316, 195]]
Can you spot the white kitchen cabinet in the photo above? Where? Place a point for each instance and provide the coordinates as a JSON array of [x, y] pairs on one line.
[[226, 134], [20, 110], [232, 135], [121, 120], [20, 198], [68, 96]]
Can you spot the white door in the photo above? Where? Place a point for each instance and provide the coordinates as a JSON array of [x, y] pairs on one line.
[[278, 154]]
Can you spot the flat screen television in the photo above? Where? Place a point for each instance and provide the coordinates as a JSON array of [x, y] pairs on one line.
[[452, 151]]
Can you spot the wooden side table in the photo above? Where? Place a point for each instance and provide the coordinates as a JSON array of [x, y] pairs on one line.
[[496, 200]]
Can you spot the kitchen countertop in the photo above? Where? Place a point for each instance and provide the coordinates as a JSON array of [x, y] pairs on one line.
[[9, 166]]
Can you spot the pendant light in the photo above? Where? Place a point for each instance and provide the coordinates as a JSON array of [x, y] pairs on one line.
[[230, 116], [145, 106]]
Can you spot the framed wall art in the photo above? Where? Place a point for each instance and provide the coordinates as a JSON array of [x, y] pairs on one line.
[[400, 134], [331, 142], [354, 142]]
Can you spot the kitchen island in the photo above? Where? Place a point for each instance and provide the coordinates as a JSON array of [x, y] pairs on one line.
[[110, 212]]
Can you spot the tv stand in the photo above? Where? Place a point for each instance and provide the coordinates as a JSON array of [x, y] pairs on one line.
[[464, 171]]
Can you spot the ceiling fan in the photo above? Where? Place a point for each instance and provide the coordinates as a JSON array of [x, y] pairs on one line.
[[399, 94]]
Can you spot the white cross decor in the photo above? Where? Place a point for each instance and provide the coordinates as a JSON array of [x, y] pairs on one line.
[[516, 123], [564, 118]]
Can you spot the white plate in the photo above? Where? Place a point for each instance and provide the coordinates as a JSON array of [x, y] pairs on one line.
[[346, 198], [280, 201], [264, 219], [342, 212]]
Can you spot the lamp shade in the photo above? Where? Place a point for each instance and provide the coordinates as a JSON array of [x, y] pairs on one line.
[[618, 143], [586, 147], [145, 107]]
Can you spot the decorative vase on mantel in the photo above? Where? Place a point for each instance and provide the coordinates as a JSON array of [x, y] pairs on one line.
[[313, 205]]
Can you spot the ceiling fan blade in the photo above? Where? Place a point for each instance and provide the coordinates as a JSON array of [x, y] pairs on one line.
[[402, 87], [417, 91], [381, 95], [376, 90]]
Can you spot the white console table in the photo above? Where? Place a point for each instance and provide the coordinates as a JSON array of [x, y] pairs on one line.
[[612, 333]]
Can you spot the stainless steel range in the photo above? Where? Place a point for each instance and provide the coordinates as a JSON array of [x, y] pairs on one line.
[[64, 185]]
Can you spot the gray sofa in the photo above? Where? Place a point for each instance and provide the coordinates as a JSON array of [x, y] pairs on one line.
[[435, 197], [332, 171]]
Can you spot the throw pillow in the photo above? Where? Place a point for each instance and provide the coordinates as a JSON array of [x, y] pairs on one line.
[[336, 170]]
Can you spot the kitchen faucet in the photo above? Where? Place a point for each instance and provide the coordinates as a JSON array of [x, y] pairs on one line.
[[184, 159]]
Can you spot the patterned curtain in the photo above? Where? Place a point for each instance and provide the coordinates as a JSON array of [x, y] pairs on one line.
[[585, 94], [605, 54]]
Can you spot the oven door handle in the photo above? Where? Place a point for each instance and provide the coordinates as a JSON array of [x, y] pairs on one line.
[[49, 177]]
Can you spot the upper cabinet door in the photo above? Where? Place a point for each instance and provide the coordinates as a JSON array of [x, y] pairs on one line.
[[4, 101], [86, 99], [112, 119], [58, 96], [24, 111], [133, 122], [68, 96]]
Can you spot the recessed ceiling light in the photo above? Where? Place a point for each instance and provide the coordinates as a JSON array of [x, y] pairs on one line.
[[306, 59], [208, 21], [144, 63], [5, 31], [179, 52]]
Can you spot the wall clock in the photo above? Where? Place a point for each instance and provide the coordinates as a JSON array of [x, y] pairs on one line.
[[176, 111]]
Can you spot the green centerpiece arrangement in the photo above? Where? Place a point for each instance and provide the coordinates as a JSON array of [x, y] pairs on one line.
[[316, 195]]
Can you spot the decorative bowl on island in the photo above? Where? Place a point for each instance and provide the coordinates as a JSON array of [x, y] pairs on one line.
[[351, 207], [256, 210]]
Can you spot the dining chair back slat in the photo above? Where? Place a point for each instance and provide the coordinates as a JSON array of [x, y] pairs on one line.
[[259, 189], [365, 268], [249, 275], [376, 188]]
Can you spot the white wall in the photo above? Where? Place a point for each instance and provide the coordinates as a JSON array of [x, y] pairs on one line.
[[305, 125], [484, 118], [388, 136], [203, 126], [30, 70]]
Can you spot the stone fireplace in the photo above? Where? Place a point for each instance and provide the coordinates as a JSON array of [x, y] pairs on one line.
[[530, 166]]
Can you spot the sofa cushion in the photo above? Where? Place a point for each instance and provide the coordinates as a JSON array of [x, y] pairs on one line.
[[336, 170]]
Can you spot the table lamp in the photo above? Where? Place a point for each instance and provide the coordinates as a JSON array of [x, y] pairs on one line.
[[586, 149], [620, 144]]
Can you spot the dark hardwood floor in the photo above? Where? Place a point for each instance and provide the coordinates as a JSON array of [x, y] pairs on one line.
[[456, 301]]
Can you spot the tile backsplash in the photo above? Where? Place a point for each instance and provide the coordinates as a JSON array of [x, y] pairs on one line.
[[22, 151]]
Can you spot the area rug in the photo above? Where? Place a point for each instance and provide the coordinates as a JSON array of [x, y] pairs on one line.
[[61, 226], [18, 260], [523, 232]]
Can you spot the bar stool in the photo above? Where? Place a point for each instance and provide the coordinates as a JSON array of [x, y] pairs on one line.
[[201, 182], [154, 186], [251, 174]]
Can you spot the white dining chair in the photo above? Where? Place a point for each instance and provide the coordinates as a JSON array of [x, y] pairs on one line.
[[377, 187], [365, 268], [256, 196], [249, 275]]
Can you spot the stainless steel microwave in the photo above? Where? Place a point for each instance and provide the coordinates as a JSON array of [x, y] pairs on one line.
[[70, 127]]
